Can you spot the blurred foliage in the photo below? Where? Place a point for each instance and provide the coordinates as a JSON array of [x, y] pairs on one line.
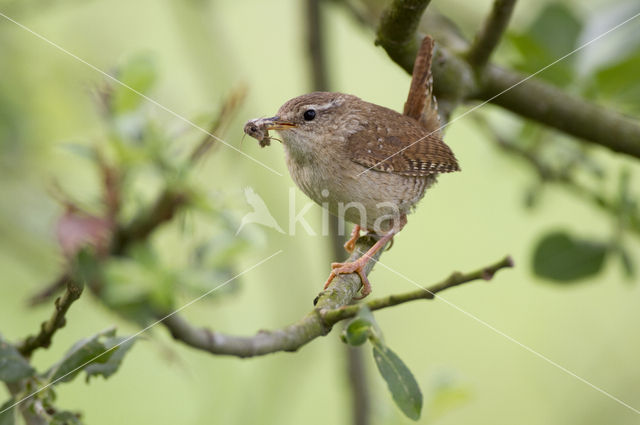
[[148, 158], [100, 354], [146, 182], [554, 32]]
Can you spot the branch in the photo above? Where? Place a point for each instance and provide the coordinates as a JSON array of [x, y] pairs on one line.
[[330, 308], [456, 278], [316, 46], [397, 30], [489, 36], [455, 80], [551, 106], [57, 320]]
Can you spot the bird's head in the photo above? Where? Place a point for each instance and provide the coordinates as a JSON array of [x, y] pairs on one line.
[[306, 122]]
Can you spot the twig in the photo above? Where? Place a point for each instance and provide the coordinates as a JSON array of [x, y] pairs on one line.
[[331, 308], [225, 116], [316, 46], [49, 291], [486, 273], [57, 320], [489, 36], [164, 209], [564, 179]]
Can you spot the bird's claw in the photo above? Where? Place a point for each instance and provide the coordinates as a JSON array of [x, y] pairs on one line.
[[347, 268]]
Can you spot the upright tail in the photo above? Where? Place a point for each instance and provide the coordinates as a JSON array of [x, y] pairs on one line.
[[421, 104]]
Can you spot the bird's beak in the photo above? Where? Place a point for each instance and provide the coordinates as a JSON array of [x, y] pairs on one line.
[[275, 123]]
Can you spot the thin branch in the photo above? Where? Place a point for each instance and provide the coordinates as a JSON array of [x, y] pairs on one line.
[[227, 112], [57, 320], [331, 307], [489, 36], [49, 291], [563, 178], [316, 46], [455, 279]]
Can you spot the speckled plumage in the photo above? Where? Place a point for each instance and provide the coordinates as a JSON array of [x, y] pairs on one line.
[[358, 152], [363, 162]]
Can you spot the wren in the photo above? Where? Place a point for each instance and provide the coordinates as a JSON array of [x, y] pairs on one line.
[[366, 163]]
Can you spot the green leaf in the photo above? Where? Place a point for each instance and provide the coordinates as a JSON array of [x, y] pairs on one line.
[[553, 34], [557, 28], [81, 354], [357, 331], [110, 367], [97, 355], [403, 386], [13, 366], [8, 417], [563, 258], [362, 326], [618, 82], [138, 73]]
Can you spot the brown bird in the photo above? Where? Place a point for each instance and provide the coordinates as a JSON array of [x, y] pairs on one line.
[[364, 162]]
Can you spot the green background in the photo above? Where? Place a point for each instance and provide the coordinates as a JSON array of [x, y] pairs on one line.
[[472, 355]]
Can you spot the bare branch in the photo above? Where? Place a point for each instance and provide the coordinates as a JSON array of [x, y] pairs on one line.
[[228, 110], [485, 273], [341, 292], [331, 308], [489, 36], [57, 320], [316, 47], [549, 105]]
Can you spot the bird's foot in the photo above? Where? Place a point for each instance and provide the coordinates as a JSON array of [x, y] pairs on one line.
[[352, 267], [350, 245]]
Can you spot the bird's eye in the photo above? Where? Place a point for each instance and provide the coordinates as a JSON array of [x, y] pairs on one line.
[[309, 114]]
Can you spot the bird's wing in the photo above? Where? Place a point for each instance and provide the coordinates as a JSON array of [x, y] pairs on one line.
[[401, 148]]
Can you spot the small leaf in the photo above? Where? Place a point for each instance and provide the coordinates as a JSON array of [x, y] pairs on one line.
[[8, 417], [110, 367], [564, 258], [138, 73], [357, 332], [13, 366], [81, 355], [553, 34], [402, 385]]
